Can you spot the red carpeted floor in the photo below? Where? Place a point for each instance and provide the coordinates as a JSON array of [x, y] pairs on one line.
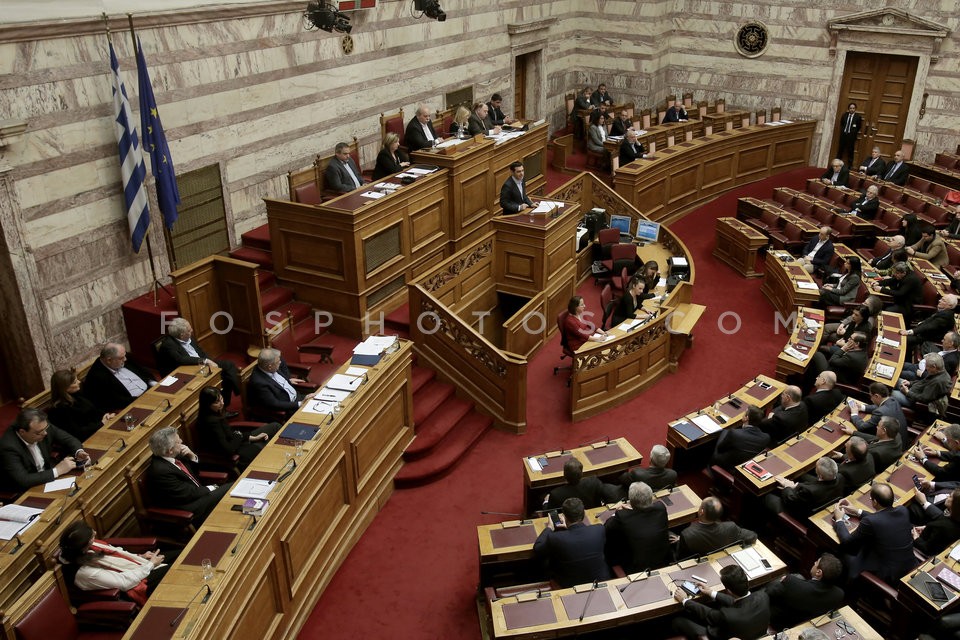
[[414, 572]]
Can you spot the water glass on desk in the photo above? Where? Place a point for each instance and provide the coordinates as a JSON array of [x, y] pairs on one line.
[[207, 567], [128, 420]]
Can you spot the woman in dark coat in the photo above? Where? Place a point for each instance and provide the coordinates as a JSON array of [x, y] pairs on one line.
[[217, 434]]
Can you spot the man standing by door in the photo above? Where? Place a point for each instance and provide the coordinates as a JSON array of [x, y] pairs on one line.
[[850, 124]]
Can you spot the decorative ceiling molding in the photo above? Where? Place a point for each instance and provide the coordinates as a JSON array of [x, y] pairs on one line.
[[888, 25]]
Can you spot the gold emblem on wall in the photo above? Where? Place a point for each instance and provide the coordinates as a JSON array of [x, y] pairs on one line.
[[346, 45], [752, 39]]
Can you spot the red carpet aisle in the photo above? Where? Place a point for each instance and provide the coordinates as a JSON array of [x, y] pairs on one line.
[[414, 573]]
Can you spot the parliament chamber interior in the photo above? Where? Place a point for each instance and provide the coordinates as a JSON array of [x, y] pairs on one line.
[[454, 318]]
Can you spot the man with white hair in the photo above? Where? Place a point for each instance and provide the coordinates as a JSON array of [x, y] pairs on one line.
[[419, 133], [810, 492], [874, 165], [930, 331], [173, 477], [270, 388], [868, 204], [932, 385], [836, 174], [887, 260], [112, 382], [179, 348], [657, 476], [638, 534], [630, 149]]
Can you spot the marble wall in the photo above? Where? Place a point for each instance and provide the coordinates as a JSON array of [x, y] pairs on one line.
[[257, 95]]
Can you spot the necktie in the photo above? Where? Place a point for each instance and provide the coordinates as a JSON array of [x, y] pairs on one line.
[[892, 170], [183, 468], [849, 122]]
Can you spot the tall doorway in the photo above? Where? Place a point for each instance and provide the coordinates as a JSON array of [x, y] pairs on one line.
[[882, 86], [527, 85]]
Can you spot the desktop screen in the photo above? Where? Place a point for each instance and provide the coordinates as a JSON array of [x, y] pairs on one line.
[[621, 223], [647, 231]]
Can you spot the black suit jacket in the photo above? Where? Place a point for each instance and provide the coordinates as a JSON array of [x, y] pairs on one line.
[[674, 114], [739, 445], [510, 198], [496, 116], [884, 453], [823, 255], [590, 491], [935, 327], [820, 403], [700, 538], [796, 599], [170, 488], [414, 138], [866, 208], [882, 543], [630, 152], [337, 178], [875, 169], [896, 175], [855, 474], [939, 533], [620, 126], [843, 177], [746, 617], [573, 555], [171, 355], [906, 292], [639, 539], [854, 126], [268, 396], [386, 165], [102, 388], [80, 419], [785, 423], [849, 366], [18, 471], [655, 477], [809, 494], [477, 126]]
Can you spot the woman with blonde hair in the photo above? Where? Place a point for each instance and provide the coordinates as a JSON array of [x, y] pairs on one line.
[[390, 160], [458, 128]]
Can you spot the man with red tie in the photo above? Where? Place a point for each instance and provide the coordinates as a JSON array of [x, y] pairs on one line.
[[172, 477]]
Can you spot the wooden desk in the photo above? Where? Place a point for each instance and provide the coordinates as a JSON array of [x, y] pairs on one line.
[[511, 543], [352, 256], [694, 171], [599, 459], [887, 355], [761, 392], [786, 284], [828, 624], [797, 455], [557, 613], [933, 275], [802, 344], [727, 120], [899, 476], [103, 500], [270, 584], [738, 244]]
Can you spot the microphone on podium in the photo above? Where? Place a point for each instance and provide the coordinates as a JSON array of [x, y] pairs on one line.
[[206, 597]]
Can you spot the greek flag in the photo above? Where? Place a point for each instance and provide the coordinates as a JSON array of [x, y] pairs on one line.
[[132, 168], [155, 143]]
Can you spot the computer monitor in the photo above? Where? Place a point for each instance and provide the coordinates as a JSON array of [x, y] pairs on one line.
[[621, 223], [647, 231]]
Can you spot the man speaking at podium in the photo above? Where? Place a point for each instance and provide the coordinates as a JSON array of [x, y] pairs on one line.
[[513, 193]]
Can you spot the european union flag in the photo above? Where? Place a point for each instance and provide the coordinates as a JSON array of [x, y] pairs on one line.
[[132, 169], [155, 143]]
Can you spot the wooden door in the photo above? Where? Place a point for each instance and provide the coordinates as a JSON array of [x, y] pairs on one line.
[[520, 87], [882, 86]]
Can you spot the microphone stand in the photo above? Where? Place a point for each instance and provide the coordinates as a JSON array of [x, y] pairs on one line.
[[250, 527], [176, 621]]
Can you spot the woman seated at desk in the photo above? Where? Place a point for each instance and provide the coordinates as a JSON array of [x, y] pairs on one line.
[[91, 564], [217, 435], [459, 127], [598, 133], [859, 320], [390, 160], [651, 275], [71, 411], [631, 301], [576, 330], [847, 287]]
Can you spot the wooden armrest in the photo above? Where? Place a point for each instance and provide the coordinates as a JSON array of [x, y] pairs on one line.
[[722, 474], [301, 370], [213, 477]]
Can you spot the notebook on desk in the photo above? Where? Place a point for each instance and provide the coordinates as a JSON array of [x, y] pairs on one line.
[[689, 430]]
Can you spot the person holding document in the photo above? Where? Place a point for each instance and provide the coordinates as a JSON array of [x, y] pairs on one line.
[[25, 452], [513, 193]]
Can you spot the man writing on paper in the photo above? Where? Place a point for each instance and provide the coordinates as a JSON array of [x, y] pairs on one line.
[[25, 452], [513, 193]]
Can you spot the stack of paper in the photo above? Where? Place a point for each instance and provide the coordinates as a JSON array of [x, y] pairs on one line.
[[889, 343], [793, 353], [342, 382], [15, 518], [803, 284], [252, 488], [419, 171], [884, 371], [750, 561], [707, 423]]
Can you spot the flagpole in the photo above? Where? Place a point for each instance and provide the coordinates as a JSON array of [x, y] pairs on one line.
[[153, 270]]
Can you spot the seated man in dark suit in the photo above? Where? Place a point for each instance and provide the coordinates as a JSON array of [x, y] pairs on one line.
[[874, 165], [931, 330], [811, 492], [172, 477], [496, 115], [825, 397], [513, 193], [112, 382], [896, 170], [270, 388], [25, 449], [676, 113], [590, 490], [947, 350], [737, 613], [868, 205], [794, 599], [178, 348], [891, 257], [342, 174], [621, 125], [938, 527], [419, 133], [601, 97], [836, 174], [882, 542], [943, 475], [708, 533], [657, 476], [739, 445], [905, 287], [573, 553], [886, 447], [848, 362], [818, 252], [881, 404], [855, 465], [638, 534], [788, 418], [630, 149], [479, 122]]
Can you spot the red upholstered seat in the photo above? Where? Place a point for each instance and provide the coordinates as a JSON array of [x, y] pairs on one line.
[[307, 194], [51, 619]]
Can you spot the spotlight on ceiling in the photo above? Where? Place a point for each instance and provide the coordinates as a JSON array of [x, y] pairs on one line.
[[431, 9], [325, 16]]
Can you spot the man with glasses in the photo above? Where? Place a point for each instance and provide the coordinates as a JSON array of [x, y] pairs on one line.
[[112, 382], [25, 452], [419, 133]]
